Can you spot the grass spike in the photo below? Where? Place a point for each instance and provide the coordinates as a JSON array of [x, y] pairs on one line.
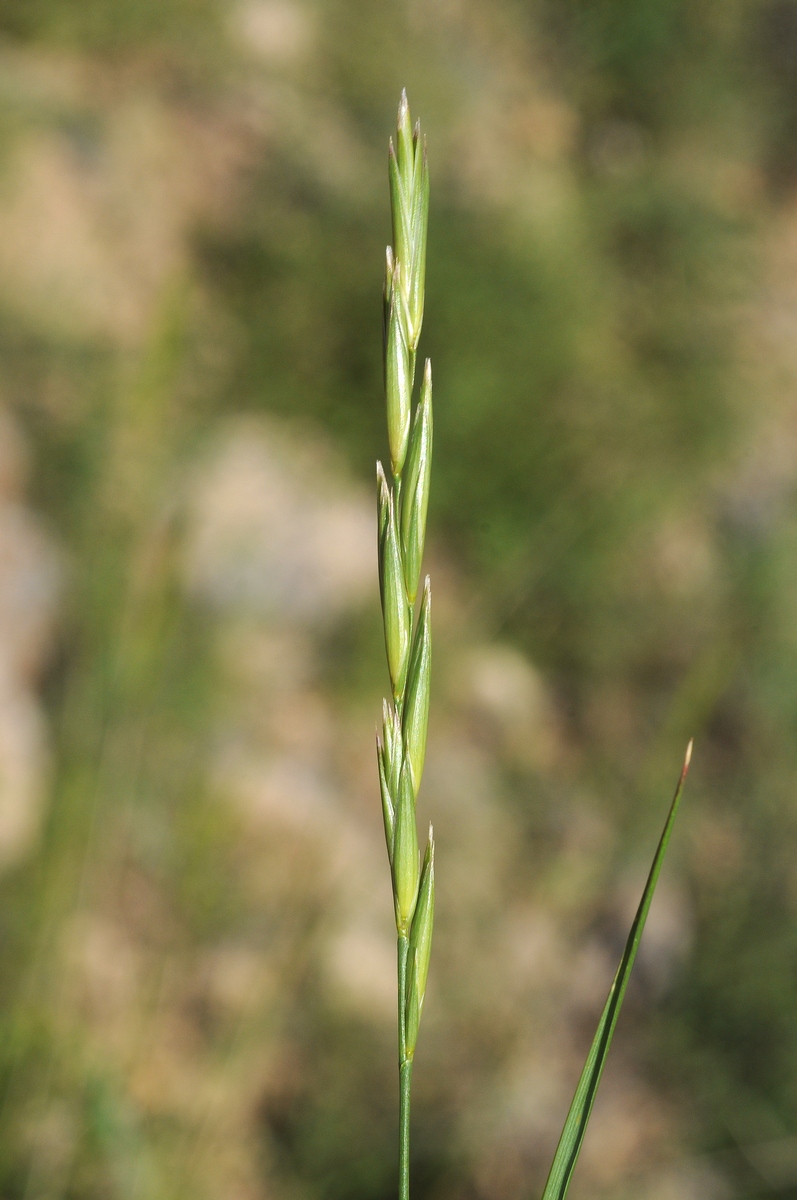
[[401, 506]]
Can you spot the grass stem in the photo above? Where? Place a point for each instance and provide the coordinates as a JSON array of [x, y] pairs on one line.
[[405, 1077]]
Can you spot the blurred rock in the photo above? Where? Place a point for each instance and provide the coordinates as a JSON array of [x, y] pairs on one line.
[[24, 763], [509, 702], [234, 979], [684, 560], [29, 584], [30, 576], [52, 1136], [690, 1180], [628, 1123], [108, 966], [361, 969], [80, 250], [276, 31], [271, 532], [265, 660], [280, 792]]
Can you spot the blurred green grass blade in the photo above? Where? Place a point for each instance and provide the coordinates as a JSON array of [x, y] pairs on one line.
[[575, 1127]]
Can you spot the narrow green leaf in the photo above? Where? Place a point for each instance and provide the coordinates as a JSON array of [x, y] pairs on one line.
[[576, 1124]]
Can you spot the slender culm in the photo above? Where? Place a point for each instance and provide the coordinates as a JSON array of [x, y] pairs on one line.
[[401, 508]]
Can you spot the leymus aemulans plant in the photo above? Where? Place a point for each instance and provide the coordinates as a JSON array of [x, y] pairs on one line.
[[402, 505]]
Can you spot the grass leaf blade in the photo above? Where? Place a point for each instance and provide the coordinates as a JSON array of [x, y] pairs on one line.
[[575, 1126]]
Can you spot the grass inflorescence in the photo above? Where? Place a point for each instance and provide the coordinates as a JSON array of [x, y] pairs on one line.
[[402, 504]]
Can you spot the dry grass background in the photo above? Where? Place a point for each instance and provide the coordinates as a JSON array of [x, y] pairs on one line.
[[198, 976]]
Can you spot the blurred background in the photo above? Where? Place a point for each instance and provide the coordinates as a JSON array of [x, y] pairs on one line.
[[197, 980]]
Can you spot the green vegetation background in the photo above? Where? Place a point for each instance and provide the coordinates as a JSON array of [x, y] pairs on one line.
[[615, 490]]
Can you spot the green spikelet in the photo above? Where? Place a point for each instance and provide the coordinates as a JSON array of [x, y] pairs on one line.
[[420, 946]]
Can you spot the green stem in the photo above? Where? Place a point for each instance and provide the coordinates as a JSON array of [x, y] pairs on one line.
[[405, 1071], [404, 1129]]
